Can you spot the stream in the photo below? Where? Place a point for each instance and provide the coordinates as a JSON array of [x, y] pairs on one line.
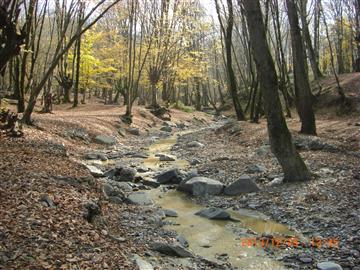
[[215, 240]]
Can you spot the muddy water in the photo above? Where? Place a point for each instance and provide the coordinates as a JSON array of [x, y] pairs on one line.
[[212, 239]]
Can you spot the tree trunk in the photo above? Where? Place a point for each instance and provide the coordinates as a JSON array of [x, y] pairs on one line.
[[311, 53], [280, 138], [304, 98]]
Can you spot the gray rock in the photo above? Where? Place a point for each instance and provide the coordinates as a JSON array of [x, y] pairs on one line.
[[96, 172], [122, 132], [202, 186], [116, 199], [166, 129], [171, 249], [106, 140], [213, 213], [142, 169], [305, 259], [194, 144], [243, 185], [47, 201], [78, 134], [140, 198], [328, 266], [169, 177], [123, 186], [255, 168], [263, 150], [139, 155], [142, 264], [195, 162], [169, 124], [313, 143], [170, 213], [112, 191], [134, 131], [277, 181], [165, 157], [95, 156], [150, 183], [121, 173], [182, 240]]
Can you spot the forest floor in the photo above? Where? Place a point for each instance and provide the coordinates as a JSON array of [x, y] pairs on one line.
[[45, 187]]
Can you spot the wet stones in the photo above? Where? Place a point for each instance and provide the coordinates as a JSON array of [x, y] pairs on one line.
[[169, 177], [202, 186], [328, 266], [214, 213], [105, 140], [171, 249], [243, 185]]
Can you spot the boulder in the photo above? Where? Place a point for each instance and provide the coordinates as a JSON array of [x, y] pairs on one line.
[[150, 182], [134, 131], [165, 157], [112, 191], [194, 144], [255, 168], [171, 249], [96, 172], [243, 185], [140, 198], [123, 186], [202, 186], [182, 240], [328, 266], [106, 140], [213, 213], [169, 177]]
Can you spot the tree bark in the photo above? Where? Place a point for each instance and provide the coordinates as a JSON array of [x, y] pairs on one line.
[[280, 138], [304, 98]]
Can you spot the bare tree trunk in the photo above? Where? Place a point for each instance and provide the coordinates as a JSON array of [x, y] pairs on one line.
[[280, 138], [304, 98]]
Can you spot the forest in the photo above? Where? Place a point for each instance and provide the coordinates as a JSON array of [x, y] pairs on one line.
[[180, 134]]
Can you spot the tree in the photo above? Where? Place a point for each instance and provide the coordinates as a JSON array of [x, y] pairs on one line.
[[227, 33], [280, 138], [11, 38], [304, 98]]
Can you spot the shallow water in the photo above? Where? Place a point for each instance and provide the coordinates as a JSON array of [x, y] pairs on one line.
[[213, 238]]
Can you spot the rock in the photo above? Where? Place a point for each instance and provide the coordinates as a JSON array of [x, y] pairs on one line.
[[142, 264], [194, 144], [139, 155], [313, 143], [123, 186], [134, 131], [213, 213], [142, 169], [202, 186], [169, 177], [165, 157], [150, 183], [96, 172], [47, 201], [243, 185], [116, 199], [169, 124], [305, 259], [171, 249], [121, 173], [166, 129], [140, 198], [328, 266], [277, 181], [182, 240], [106, 140], [112, 191], [122, 132], [170, 213], [95, 156], [255, 168], [78, 133], [194, 162]]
